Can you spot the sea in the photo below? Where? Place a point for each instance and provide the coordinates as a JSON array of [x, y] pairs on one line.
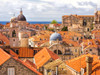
[[31, 22]]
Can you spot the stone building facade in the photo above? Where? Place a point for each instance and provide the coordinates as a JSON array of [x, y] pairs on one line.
[[19, 69], [66, 52], [19, 32], [78, 23], [97, 20]]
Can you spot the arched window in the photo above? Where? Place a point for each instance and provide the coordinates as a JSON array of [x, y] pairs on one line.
[[84, 22], [88, 29], [59, 52], [13, 33]]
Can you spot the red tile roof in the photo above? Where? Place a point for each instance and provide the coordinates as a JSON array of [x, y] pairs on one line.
[[13, 53], [43, 56], [80, 62], [3, 56], [4, 39], [27, 65], [25, 52], [30, 63]]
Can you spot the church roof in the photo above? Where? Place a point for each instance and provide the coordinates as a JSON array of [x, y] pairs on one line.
[[55, 36], [21, 17]]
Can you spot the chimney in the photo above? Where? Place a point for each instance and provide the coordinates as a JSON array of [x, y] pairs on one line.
[[89, 61]]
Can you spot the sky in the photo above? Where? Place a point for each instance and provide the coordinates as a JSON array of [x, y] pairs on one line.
[[46, 10]]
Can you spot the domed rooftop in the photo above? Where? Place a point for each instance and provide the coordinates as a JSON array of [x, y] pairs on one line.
[[55, 36], [21, 17]]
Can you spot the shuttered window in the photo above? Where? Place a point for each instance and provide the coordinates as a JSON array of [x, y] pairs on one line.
[[11, 71]]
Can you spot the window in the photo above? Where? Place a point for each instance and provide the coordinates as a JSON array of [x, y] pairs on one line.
[[88, 29], [17, 51], [77, 38], [75, 50], [13, 33], [11, 71], [69, 57], [90, 49], [81, 37], [0, 41], [35, 51], [84, 22], [13, 39]]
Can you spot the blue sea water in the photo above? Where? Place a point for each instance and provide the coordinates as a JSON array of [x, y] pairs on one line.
[[31, 22]]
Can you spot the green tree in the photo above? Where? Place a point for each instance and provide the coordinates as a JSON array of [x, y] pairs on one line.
[[46, 27], [91, 26], [51, 29], [64, 28], [54, 22]]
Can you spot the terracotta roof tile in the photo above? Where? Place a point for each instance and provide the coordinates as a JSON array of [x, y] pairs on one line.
[[30, 63], [43, 56], [25, 52], [3, 56], [27, 65], [13, 53], [80, 62], [4, 39]]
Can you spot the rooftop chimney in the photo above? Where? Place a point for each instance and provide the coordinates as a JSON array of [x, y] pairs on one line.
[[89, 61]]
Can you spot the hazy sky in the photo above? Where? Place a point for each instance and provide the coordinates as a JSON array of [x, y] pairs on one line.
[[46, 10]]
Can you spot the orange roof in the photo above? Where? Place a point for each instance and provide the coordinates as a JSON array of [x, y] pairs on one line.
[[30, 63], [43, 56], [79, 15], [4, 39], [57, 25], [25, 52], [27, 65], [95, 31], [73, 43], [80, 62], [3, 56], [90, 43], [13, 53], [7, 25]]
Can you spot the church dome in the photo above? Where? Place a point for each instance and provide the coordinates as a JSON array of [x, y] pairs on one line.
[[21, 17], [55, 36]]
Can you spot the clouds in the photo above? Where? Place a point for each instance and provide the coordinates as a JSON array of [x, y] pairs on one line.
[[46, 10]]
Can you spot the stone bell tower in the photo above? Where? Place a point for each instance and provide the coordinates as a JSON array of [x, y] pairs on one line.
[[14, 39], [17, 28]]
